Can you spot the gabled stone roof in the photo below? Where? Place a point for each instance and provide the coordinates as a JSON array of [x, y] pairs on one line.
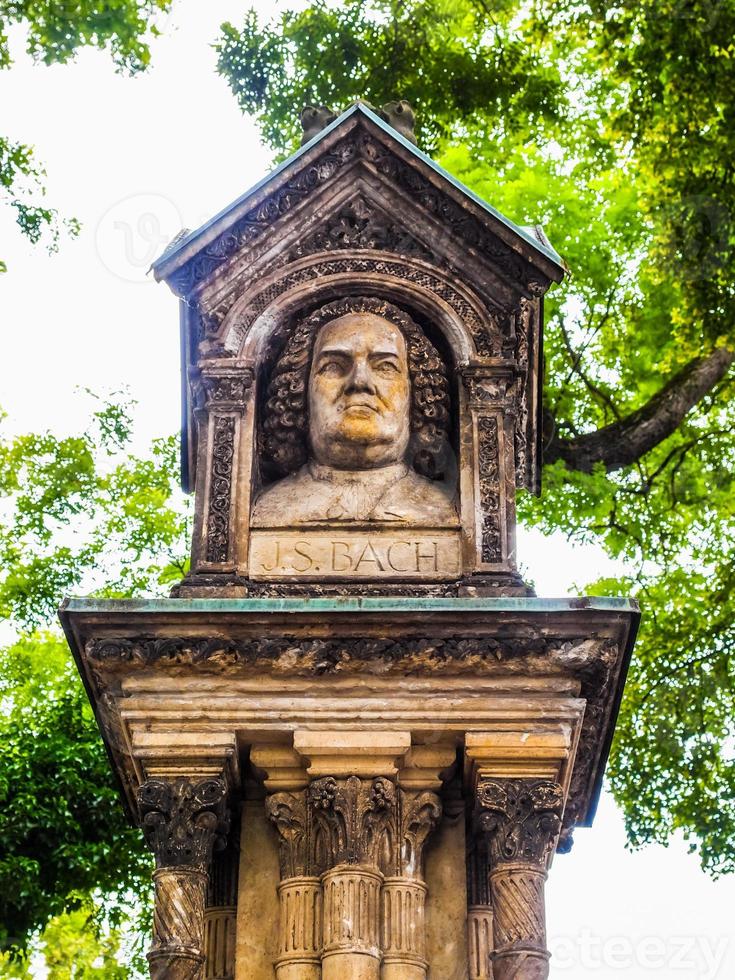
[[192, 257]]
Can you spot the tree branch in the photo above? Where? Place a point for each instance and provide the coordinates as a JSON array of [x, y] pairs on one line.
[[626, 440]]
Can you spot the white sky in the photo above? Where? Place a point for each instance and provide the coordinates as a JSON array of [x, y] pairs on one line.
[[134, 160]]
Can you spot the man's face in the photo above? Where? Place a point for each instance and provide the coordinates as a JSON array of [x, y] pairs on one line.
[[359, 393]]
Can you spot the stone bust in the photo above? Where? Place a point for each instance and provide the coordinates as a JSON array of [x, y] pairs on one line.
[[357, 415]]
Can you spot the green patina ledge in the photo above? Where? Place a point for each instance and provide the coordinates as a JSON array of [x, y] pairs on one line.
[[353, 604]]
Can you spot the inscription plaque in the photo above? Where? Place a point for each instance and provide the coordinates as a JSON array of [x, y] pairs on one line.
[[355, 553]]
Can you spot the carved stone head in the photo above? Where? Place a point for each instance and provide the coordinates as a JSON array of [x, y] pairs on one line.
[[286, 427], [360, 398]]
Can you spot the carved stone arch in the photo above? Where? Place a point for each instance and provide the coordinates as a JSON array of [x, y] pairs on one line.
[[470, 331]]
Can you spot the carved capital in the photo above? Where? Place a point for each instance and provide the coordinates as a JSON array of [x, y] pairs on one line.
[[522, 818], [420, 813], [222, 386], [287, 813], [184, 821], [492, 388], [354, 820]]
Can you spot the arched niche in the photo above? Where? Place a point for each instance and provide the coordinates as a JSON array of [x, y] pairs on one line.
[[469, 329], [253, 331]]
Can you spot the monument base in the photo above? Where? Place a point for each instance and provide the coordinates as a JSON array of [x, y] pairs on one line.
[[348, 724]]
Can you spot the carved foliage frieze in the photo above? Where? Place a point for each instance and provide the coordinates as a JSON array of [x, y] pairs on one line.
[[184, 821], [306, 657]]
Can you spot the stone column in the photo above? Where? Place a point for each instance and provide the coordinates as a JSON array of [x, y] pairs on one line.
[[522, 820], [183, 821], [220, 915], [353, 828], [351, 949], [404, 894], [351, 851], [479, 908], [300, 893]]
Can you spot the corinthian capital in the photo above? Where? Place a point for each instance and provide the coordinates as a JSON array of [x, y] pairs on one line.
[[522, 818], [184, 821]]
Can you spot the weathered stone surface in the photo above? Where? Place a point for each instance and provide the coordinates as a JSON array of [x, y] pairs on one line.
[[446, 903], [361, 360], [257, 906]]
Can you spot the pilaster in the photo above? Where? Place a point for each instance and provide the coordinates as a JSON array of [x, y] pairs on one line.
[[222, 392]]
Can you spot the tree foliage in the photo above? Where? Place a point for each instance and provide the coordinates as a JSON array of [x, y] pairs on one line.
[[614, 129], [80, 514], [54, 32]]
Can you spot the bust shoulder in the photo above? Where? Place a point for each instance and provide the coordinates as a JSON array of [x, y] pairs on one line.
[[417, 500], [288, 496]]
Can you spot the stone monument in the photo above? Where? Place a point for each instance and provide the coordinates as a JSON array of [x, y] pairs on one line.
[[353, 737]]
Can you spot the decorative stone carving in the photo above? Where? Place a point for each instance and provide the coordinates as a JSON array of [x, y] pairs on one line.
[[183, 822], [489, 466], [360, 146], [354, 821], [314, 119], [485, 331], [397, 114], [351, 852], [521, 819], [218, 521], [359, 224], [220, 391]]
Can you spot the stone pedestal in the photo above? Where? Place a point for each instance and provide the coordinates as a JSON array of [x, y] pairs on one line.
[[341, 723]]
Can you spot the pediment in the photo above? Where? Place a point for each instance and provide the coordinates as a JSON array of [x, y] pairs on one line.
[[358, 146]]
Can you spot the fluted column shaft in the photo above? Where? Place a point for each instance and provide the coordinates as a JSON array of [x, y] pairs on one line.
[[403, 929], [351, 949], [300, 936]]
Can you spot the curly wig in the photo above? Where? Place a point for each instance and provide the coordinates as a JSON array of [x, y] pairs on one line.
[[284, 430]]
